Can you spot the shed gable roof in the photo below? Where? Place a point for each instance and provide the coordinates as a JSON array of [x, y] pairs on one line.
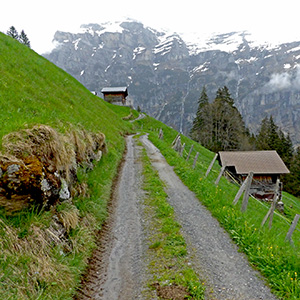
[[119, 89], [259, 162]]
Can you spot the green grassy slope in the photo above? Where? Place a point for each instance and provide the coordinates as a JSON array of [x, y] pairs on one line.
[[34, 91], [265, 248]]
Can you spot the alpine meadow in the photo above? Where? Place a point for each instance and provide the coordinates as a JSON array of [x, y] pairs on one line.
[[61, 152]]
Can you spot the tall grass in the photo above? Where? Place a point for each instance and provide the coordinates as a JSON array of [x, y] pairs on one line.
[[266, 249]]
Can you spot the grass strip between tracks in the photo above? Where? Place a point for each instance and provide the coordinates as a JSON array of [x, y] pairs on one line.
[[169, 264]]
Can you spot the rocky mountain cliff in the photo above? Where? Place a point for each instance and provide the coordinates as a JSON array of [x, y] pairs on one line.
[[165, 74]]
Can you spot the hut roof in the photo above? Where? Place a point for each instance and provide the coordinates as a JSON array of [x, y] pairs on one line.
[[119, 89], [259, 162]]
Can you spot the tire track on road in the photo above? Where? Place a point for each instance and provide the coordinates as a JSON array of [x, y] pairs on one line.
[[117, 270]]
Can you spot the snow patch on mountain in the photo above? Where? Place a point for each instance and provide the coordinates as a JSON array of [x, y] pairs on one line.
[[137, 51], [166, 43], [226, 42], [99, 29]]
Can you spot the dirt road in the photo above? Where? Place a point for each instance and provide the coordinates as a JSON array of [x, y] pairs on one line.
[[119, 270], [226, 271]]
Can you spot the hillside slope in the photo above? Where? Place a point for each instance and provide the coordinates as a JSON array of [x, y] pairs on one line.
[[33, 90], [44, 252]]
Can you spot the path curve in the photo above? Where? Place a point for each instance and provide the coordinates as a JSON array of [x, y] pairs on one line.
[[227, 272]]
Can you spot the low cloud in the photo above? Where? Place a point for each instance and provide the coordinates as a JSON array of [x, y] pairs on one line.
[[281, 81]]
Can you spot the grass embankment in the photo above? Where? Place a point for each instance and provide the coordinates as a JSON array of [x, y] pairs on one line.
[[34, 91], [266, 249], [172, 275]]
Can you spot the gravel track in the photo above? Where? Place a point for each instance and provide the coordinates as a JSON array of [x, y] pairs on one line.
[[227, 272], [118, 268]]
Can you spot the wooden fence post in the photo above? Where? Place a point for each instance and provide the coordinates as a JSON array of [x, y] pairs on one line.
[[270, 212], [161, 134], [292, 228], [211, 165], [220, 174], [182, 148], [191, 149], [177, 145], [195, 160], [175, 140], [240, 192], [246, 194]]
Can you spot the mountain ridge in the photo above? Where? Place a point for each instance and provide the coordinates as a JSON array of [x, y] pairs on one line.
[[165, 74]]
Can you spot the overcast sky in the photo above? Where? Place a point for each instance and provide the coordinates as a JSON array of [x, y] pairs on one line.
[[269, 20]]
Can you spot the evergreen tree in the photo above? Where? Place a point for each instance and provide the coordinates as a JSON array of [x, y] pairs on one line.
[[273, 135], [24, 39], [268, 137], [199, 119], [224, 95], [285, 149], [13, 32], [219, 125], [261, 140], [292, 180], [229, 131]]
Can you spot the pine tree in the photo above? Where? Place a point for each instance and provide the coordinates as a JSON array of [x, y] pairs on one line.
[[229, 131], [267, 138], [292, 180], [224, 94], [285, 149], [219, 125], [261, 140], [24, 39], [12, 32], [273, 135], [199, 120]]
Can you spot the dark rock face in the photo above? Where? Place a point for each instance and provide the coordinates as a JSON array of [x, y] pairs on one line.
[[165, 76]]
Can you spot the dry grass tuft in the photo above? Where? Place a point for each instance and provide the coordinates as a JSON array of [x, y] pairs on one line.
[[69, 217], [43, 142], [31, 266]]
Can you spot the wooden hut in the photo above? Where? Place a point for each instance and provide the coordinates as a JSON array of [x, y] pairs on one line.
[[267, 167], [115, 95]]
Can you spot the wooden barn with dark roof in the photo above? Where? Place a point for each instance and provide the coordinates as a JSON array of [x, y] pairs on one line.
[[115, 95], [267, 167]]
